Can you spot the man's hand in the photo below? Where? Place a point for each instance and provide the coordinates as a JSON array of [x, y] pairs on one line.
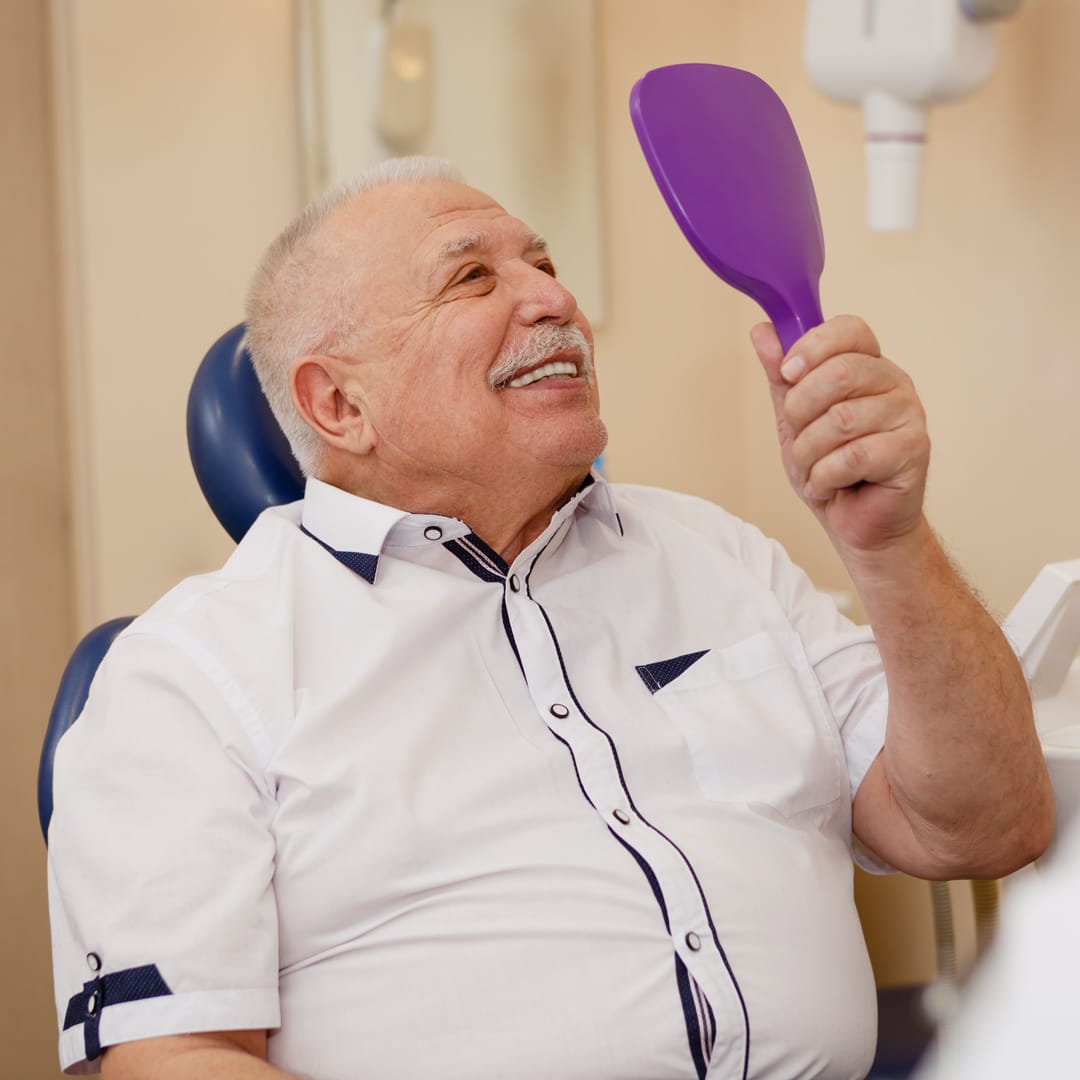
[[852, 431]]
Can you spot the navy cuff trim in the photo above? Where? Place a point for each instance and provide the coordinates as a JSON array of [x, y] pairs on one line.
[[116, 988]]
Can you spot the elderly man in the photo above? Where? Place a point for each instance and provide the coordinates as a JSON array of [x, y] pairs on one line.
[[473, 765]]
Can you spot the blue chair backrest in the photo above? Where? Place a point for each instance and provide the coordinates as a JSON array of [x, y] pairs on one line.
[[68, 703], [243, 465]]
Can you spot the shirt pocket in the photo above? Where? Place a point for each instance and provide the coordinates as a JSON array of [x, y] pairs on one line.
[[756, 725]]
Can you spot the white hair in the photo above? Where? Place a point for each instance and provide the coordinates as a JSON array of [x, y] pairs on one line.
[[296, 308]]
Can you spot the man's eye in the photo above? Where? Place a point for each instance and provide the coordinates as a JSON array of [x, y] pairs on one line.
[[475, 273], [547, 266]]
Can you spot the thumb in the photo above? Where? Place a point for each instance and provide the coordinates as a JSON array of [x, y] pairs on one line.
[[770, 354]]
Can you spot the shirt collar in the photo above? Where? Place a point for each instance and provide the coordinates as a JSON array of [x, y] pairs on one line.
[[345, 522], [595, 497], [356, 530]]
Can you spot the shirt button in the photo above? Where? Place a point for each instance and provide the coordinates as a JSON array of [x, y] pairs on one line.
[[433, 532], [621, 816], [693, 942], [561, 711], [92, 1004], [515, 585], [93, 961]]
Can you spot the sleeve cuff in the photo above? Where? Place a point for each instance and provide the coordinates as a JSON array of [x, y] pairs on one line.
[[174, 1014]]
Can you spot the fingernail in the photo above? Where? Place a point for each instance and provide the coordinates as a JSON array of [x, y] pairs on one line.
[[792, 368]]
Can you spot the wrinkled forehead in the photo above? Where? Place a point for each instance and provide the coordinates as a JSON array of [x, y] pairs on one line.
[[406, 232]]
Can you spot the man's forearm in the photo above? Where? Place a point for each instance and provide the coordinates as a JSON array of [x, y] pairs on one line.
[[212, 1056], [962, 763], [220, 1065]]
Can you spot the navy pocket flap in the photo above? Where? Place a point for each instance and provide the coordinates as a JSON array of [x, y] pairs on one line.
[[656, 676]]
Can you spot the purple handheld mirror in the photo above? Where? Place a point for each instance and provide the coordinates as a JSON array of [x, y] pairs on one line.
[[725, 155]]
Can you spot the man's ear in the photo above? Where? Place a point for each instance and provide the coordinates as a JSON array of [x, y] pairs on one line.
[[317, 384]]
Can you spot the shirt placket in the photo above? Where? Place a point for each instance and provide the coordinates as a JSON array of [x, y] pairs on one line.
[[721, 1015]]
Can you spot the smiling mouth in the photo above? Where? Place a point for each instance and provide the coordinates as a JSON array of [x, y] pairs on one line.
[[549, 370]]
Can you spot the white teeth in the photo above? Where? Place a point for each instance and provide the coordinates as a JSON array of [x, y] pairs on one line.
[[556, 367]]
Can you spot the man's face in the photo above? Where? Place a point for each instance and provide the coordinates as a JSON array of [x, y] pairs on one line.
[[455, 295]]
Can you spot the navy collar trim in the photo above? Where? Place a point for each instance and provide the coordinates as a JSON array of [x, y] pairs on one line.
[[359, 562], [486, 554], [482, 560]]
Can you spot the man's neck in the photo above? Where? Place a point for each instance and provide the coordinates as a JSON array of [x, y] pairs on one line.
[[508, 517], [510, 540]]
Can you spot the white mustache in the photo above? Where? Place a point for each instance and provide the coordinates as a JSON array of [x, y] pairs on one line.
[[545, 341]]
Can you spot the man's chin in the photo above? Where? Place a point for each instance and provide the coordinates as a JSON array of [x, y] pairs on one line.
[[574, 450]]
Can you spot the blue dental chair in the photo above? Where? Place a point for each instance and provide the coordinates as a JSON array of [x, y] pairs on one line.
[[243, 464]]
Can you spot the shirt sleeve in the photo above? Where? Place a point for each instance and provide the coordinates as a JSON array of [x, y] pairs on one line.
[[161, 858], [845, 660]]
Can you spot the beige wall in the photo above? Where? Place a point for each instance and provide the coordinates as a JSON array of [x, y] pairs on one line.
[[35, 542], [670, 352], [180, 160]]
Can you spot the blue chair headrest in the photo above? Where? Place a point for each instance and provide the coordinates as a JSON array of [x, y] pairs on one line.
[[241, 457]]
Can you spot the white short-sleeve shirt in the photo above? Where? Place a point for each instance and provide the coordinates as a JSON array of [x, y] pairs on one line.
[[420, 813]]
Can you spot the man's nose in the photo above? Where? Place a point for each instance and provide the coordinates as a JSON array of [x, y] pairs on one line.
[[543, 298]]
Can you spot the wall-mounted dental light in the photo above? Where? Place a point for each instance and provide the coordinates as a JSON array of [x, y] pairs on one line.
[[895, 58]]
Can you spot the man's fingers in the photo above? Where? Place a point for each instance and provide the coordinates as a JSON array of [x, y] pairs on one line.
[[852, 429], [842, 334], [767, 345], [848, 377], [845, 414], [854, 422], [770, 354], [850, 419], [883, 457]]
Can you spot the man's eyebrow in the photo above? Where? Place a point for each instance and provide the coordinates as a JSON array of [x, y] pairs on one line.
[[461, 246], [474, 241]]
